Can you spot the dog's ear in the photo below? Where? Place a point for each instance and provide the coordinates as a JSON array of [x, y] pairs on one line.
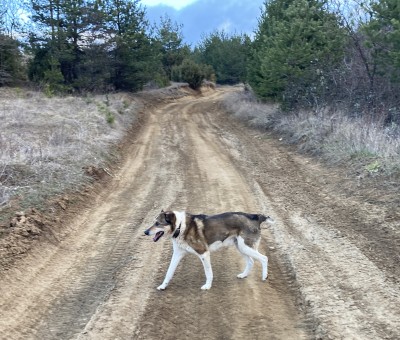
[[170, 217]]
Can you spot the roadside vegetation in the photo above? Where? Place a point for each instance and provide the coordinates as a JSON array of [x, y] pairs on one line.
[[367, 148], [52, 145], [325, 75]]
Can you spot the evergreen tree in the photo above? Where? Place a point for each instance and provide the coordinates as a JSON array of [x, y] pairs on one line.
[[92, 44], [10, 61], [172, 49], [11, 68], [56, 42], [383, 36], [227, 55], [297, 43], [132, 57]]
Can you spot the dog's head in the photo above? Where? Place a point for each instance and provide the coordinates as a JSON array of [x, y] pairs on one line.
[[164, 223]]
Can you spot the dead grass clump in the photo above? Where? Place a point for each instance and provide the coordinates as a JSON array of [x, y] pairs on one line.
[[45, 143], [337, 138], [245, 106]]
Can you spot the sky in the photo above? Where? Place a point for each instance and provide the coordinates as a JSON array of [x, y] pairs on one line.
[[202, 17]]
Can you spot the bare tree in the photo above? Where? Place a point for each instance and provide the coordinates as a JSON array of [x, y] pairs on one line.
[[11, 13]]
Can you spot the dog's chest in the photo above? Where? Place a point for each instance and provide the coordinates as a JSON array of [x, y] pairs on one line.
[[182, 244], [230, 241]]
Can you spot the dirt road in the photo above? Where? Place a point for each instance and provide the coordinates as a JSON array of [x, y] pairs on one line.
[[333, 258]]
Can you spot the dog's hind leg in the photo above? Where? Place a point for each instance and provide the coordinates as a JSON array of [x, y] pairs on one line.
[[249, 251], [177, 256], [205, 259], [249, 265]]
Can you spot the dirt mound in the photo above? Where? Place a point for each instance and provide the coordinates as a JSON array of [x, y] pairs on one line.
[[18, 235]]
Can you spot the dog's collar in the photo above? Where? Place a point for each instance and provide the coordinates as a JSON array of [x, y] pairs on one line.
[[177, 231]]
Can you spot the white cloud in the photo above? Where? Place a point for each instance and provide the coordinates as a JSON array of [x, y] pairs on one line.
[[177, 4], [226, 26]]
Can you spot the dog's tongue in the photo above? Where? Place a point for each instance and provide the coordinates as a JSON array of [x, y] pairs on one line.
[[158, 235]]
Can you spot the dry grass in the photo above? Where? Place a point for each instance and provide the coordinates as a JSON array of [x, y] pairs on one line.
[[244, 106], [45, 143], [335, 137]]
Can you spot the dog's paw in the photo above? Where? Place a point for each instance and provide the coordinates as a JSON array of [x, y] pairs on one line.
[[206, 286], [241, 276], [264, 278], [162, 287]]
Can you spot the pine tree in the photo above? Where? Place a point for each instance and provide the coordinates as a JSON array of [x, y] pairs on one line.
[[10, 61], [172, 49], [226, 54], [92, 44], [56, 42], [383, 36], [133, 61], [297, 42], [11, 66]]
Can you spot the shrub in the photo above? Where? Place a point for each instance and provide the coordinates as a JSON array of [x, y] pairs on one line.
[[190, 72]]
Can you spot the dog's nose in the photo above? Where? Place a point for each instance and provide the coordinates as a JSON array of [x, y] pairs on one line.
[[146, 232]]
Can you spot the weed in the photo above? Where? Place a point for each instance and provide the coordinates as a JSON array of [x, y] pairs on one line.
[[373, 167], [110, 118], [48, 91]]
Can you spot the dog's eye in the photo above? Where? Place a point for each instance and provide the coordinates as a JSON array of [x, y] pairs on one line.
[[157, 224]]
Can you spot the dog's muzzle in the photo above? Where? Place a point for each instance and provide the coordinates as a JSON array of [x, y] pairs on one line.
[[157, 235]]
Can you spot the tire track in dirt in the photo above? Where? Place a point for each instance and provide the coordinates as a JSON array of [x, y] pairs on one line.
[[325, 239], [59, 299], [233, 308], [100, 282]]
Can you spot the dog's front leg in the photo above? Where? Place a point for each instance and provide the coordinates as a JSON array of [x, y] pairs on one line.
[[177, 256], [205, 259]]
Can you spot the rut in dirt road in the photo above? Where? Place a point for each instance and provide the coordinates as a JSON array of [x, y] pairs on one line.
[[100, 281], [232, 307]]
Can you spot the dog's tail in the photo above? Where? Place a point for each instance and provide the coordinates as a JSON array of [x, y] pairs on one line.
[[263, 218]]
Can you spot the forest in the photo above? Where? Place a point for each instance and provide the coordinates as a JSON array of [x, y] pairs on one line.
[[304, 53]]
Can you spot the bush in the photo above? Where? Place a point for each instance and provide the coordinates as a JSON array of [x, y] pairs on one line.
[[190, 72]]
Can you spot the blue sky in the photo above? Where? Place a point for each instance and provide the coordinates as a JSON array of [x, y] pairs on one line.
[[201, 17]]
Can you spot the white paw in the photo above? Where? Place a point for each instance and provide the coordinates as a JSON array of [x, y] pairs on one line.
[[162, 287], [241, 276], [207, 286], [265, 278]]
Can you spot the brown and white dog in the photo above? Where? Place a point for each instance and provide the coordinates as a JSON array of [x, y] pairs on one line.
[[202, 234]]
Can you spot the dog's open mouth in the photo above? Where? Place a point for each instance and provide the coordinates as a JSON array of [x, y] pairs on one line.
[[158, 235]]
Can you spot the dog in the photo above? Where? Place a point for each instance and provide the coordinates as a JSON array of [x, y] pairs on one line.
[[203, 234]]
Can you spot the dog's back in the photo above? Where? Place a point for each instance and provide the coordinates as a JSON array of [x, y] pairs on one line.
[[238, 220], [222, 226]]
